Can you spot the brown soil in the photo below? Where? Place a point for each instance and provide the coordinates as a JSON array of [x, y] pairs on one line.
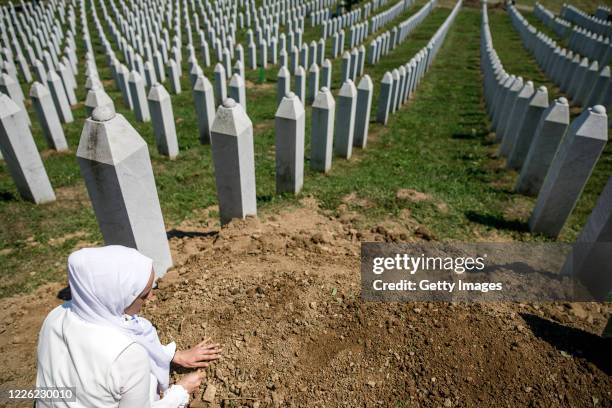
[[282, 294]]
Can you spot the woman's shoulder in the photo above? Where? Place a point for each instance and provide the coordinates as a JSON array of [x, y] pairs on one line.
[[134, 354], [56, 316]]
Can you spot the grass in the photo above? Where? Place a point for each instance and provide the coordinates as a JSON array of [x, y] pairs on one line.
[[438, 144]]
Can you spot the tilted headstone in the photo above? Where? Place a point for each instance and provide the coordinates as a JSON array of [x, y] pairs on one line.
[[548, 134], [62, 71], [220, 84], [590, 79], [300, 84], [326, 74], [384, 99], [345, 120], [47, 116], [139, 97], [162, 116], [346, 66], [601, 87], [365, 90], [289, 144], [194, 73], [237, 90], [535, 108], [20, 154], [174, 77], [322, 138], [569, 171], [283, 83], [508, 105], [59, 97], [116, 167], [97, 97], [517, 115], [313, 83], [234, 161], [589, 260], [122, 80], [204, 101]]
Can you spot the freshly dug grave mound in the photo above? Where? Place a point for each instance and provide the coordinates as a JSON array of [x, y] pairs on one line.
[[282, 294]]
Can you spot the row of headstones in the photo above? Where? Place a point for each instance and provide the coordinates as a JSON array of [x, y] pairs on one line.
[[18, 28], [61, 88], [560, 26], [383, 18], [602, 13], [582, 41], [554, 158], [335, 129], [340, 22], [108, 138], [217, 44], [579, 17], [596, 47], [252, 53], [231, 136], [397, 85], [585, 82], [42, 59], [204, 106], [387, 41]]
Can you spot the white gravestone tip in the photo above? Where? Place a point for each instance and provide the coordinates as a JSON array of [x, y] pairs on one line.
[[562, 100], [158, 92], [365, 83], [387, 78], [348, 89], [236, 80], [229, 103], [542, 88], [599, 109], [38, 90], [103, 113], [7, 106], [290, 107], [283, 72], [202, 84]]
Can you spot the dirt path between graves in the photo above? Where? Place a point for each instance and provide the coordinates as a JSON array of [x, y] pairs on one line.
[[282, 295]]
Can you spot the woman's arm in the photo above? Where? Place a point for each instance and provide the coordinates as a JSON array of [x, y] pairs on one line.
[[131, 377]]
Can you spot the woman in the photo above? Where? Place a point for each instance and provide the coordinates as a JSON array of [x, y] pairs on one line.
[[98, 343]]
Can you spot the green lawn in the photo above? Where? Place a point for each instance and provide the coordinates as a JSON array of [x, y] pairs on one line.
[[438, 144]]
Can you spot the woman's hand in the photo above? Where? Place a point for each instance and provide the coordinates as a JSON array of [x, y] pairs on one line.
[[191, 382], [198, 356]]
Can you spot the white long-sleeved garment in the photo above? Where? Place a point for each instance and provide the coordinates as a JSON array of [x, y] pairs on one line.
[[108, 369]]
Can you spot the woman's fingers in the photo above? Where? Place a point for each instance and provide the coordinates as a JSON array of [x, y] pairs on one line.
[[210, 350], [208, 357], [208, 346], [204, 342]]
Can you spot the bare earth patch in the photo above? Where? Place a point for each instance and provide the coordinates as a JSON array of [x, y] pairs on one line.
[[282, 294]]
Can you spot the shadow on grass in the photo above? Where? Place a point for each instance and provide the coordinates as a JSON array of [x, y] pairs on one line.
[[576, 342], [496, 221], [469, 135], [7, 196]]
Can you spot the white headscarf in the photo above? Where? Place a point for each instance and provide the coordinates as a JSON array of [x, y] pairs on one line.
[[106, 280]]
